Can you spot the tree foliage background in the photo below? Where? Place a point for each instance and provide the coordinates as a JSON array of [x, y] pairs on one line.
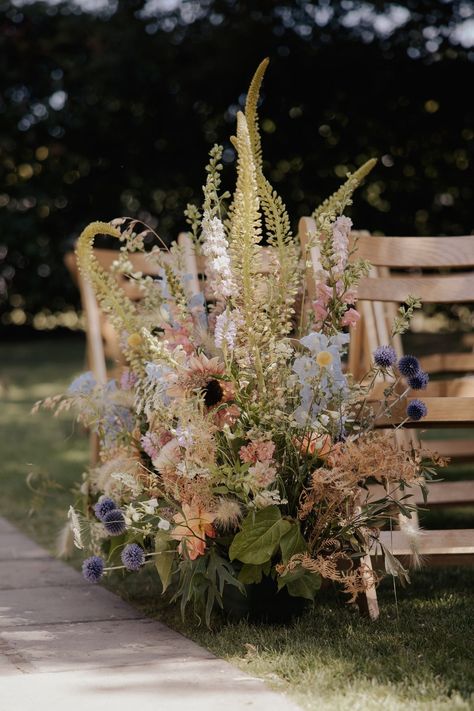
[[109, 109]]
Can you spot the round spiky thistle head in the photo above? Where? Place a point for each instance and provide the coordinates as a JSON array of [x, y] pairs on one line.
[[419, 381], [93, 569], [408, 366], [133, 556], [416, 410], [385, 356], [114, 522], [103, 506]]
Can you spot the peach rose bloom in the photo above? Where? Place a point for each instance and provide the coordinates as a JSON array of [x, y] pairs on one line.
[[315, 444]]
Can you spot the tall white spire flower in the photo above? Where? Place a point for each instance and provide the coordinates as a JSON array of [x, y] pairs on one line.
[[215, 248], [225, 330]]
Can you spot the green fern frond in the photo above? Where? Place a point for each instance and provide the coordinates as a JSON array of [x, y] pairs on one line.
[[176, 288], [335, 205], [251, 113], [280, 237], [110, 296], [277, 222], [245, 237]]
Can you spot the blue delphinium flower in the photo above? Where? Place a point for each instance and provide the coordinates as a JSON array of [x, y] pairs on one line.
[[118, 420], [93, 569], [84, 384], [385, 356], [114, 522], [419, 381], [103, 506], [133, 556], [416, 410], [408, 366]]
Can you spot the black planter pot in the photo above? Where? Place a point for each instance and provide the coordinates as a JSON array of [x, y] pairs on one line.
[[262, 603]]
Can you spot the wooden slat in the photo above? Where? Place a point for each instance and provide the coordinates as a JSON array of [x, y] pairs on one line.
[[453, 547], [457, 387], [459, 449], [448, 362], [423, 252], [442, 411], [431, 289], [443, 493]]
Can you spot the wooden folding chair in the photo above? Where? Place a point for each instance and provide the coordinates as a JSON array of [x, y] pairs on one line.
[[450, 404]]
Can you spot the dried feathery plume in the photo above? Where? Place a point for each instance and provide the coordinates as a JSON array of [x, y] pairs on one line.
[[75, 525], [413, 534], [228, 514], [65, 541]]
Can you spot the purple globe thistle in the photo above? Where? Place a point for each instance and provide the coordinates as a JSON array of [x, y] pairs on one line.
[[93, 569], [416, 410], [419, 381], [133, 556], [408, 366], [103, 506], [385, 356], [114, 522]]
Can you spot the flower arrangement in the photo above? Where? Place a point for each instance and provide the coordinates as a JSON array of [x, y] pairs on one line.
[[233, 447]]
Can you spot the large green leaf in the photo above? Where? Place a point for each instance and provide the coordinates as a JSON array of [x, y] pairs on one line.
[[250, 574], [292, 543], [260, 536], [164, 561], [300, 583]]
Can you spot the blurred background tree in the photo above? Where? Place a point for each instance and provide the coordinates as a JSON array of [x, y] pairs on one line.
[[110, 108]]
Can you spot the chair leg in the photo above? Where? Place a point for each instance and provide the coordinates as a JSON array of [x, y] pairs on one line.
[[367, 602]]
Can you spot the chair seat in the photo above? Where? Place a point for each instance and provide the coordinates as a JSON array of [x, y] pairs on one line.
[[450, 547], [443, 493]]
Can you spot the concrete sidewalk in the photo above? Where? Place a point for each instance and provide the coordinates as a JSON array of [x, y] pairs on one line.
[[66, 644]]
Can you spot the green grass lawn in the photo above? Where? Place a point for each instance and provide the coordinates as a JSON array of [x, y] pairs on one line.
[[329, 658]]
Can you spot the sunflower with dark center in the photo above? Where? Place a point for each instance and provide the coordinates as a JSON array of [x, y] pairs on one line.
[[213, 393]]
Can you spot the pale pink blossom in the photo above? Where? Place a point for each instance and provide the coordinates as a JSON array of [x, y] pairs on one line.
[[150, 444], [350, 297], [258, 451], [324, 293], [340, 239], [179, 337], [263, 473], [350, 318], [128, 379], [319, 311]]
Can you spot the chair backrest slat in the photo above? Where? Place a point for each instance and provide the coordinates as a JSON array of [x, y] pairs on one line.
[[431, 289], [421, 252]]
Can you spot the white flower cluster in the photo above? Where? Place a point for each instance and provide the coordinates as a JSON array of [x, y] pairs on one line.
[[225, 330], [215, 248]]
